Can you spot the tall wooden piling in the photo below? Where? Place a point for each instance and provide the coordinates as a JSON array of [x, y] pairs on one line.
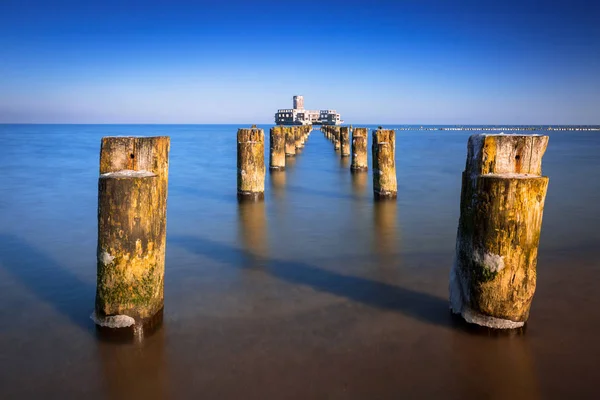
[[277, 148], [290, 142], [359, 150], [336, 137], [493, 279], [251, 164], [299, 143], [344, 141], [383, 151], [132, 207]]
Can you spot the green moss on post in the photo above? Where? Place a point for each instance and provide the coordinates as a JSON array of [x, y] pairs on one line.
[[132, 200], [493, 279]]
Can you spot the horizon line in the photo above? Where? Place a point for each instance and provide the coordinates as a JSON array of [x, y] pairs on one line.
[[265, 123]]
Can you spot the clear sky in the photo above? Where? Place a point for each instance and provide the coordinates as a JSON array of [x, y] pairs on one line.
[[375, 61]]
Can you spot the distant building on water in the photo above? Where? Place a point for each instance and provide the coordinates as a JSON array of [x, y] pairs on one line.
[[299, 116]]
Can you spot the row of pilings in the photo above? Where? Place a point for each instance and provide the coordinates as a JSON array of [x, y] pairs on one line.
[[383, 151], [492, 281], [285, 142]]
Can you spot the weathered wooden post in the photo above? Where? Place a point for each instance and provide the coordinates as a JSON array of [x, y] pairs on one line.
[[336, 137], [290, 142], [277, 148], [493, 279], [251, 164], [384, 164], [132, 218], [344, 141], [359, 150], [298, 137]]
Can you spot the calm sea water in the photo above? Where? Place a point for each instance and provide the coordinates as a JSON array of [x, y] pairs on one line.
[[318, 292]]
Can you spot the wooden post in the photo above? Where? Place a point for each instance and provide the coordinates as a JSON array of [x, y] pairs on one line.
[[132, 218], [384, 164], [344, 141], [493, 279], [251, 164], [277, 148], [298, 137], [359, 150], [336, 137], [290, 142]]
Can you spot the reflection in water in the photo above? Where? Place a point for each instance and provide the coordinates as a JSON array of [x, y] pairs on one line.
[[278, 179], [323, 310], [344, 161], [504, 366], [290, 162], [135, 370], [252, 231], [385, 221], [359, 182]]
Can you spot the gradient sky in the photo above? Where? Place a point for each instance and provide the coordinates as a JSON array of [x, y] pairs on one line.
[[421, 61]]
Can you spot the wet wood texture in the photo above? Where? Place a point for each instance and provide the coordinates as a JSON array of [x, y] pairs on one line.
[[251, 163], [132, 206], [359, 150], [344, 141], [290, 142], [384, 163], [502, 204], [277, 148]]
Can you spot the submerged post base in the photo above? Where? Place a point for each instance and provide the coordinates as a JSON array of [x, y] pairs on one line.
[[275, 168], [385, 195], [473, 317], [251, 196], [358, 169], [123, 328], [113, 321]]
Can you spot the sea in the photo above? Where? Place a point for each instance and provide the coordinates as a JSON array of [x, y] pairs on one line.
[[318, 292]]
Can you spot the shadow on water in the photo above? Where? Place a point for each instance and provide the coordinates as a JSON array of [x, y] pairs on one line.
[[420, 306], [66, 293], [48, 280], [344, 162]]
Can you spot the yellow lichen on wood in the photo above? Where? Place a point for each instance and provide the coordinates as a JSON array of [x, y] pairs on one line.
[[344, 141], [277, 148], [359, 150], [384, 163], [130, 255], [251, 163], [502, 202], [132, 206], [290, 142], [299, 142]]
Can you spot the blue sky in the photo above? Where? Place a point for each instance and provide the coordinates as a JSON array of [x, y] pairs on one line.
[[421, 61]]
